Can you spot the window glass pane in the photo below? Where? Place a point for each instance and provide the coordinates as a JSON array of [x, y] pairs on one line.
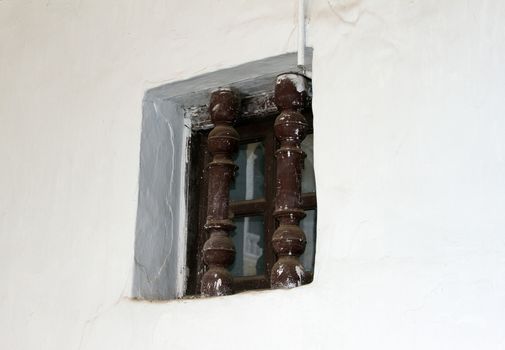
[[308, 225], [308, 179], [248, 183], [249, 242]]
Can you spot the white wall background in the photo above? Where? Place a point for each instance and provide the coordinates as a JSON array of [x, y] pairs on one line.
[[410, 166]]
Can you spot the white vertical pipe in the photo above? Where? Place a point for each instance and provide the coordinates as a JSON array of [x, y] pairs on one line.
[[301, 34]]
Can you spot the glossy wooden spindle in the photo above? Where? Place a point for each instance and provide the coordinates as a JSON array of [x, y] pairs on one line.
[[218, 250], [290, 129]]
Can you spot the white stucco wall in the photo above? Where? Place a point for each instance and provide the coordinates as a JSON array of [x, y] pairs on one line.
[[410, 166]]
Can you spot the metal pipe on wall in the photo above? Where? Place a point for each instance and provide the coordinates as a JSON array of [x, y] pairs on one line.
[[301, 34]]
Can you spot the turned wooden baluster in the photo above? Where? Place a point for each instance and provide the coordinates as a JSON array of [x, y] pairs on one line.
[[290, 129], [218, 250]]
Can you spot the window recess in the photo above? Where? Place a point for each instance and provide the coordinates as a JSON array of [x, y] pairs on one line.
[[166, 240]]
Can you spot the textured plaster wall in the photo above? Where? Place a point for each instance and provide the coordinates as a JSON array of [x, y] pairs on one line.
[[410, 167]]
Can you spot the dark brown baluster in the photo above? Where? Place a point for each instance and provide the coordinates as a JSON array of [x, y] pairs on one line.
[[290, 129], [218, 250]]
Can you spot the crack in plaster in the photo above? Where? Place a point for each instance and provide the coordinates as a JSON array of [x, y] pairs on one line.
[[346, 6], [350, 12], [88, 322]]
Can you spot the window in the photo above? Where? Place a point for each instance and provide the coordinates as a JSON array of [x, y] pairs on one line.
[[252, 195], [172, 114]]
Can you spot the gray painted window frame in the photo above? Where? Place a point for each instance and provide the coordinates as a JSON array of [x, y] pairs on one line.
[[169, 114]]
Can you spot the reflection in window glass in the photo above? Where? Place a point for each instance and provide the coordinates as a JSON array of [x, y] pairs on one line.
[[308, 179], [308, 225], [248, 239], [249, 178]]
